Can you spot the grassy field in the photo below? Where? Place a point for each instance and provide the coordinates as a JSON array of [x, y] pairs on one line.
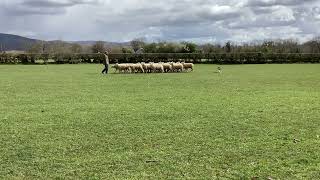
[[69, 121]]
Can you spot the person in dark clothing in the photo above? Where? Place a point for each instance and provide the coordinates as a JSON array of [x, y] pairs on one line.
[[106, 63]]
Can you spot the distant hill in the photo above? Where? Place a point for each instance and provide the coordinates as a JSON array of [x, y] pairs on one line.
[[90, 43], [9, 42]]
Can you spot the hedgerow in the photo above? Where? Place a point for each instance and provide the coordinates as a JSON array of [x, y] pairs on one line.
[[212, 58]]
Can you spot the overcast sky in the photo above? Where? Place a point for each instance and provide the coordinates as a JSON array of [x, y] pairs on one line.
[[192, 20]]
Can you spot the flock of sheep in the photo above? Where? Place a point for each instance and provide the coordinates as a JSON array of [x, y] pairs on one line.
[[153, 67]]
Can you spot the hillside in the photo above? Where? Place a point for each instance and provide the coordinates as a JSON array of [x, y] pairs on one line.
[[9, 42]]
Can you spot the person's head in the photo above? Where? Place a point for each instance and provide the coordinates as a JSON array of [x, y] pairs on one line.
[[106, 52]]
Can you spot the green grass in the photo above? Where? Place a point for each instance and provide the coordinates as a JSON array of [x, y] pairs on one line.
[[69, 121]]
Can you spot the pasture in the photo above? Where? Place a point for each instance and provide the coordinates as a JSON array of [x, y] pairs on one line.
[[70, 121]]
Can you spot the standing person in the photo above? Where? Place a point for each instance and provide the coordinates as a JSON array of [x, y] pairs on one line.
[[105, 63]]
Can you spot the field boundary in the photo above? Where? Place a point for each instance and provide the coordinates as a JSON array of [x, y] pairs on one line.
[[197, 58]]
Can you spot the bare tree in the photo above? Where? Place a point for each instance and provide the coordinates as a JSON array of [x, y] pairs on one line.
[[211, 48], [76, 48], [34, 48], [228, 47], [137, 44], [98, 47]]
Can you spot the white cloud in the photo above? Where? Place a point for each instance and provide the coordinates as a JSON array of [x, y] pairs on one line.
[[261, 3], [265, 17], [198, 20]]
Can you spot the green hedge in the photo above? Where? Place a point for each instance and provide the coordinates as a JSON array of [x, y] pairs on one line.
[[224, 58]]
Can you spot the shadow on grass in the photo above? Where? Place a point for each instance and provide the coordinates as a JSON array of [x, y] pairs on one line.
[[113, 73]]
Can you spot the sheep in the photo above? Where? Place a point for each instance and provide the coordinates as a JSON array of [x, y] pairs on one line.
[[130, 66], [187, 66], [177, 67], [139, 68], [153, 67], [167, 67], [156, 67], [121, 67], [134, 68], [146, 67]]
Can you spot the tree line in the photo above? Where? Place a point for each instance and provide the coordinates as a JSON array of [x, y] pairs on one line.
[[272, 51], [140, 46]]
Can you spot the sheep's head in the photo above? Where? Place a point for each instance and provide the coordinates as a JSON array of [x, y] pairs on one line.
[[115, 66]]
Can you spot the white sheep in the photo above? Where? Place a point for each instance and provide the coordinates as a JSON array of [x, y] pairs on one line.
[[156, 67], [167, 67], [121, 67], [136, 68], [177, 67], [187, 66], [146, 67]]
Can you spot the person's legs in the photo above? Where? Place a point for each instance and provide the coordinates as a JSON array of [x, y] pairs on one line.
[[104, 70], [107, 68]]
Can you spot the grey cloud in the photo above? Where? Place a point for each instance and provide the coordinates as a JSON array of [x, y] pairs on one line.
[[22, 11], [198, 20], [263, 23], [42, 7], [264, 3], [179, 15], [55, 3], [267, 17], [198, 32]]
